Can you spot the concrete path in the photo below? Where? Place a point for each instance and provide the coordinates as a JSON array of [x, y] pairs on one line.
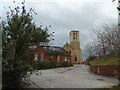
[[77, 76]]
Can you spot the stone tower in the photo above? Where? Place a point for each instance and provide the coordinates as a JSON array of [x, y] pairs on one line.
[[74, 47]]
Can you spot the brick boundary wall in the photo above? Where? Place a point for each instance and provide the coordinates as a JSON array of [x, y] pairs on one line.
[[108, 70]]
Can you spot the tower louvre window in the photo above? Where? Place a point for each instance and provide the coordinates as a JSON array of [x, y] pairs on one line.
[[73, 35], [76, 35]]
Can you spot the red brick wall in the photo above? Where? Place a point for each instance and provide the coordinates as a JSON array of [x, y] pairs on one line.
[[62, 58], [40, 50], [54, 58], [105, 69], [46, 57]]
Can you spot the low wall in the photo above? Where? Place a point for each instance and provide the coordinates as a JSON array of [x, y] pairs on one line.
[[108, 70]]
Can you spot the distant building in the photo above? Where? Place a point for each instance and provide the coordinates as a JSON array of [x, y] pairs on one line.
[[73, 47], [52, 53]]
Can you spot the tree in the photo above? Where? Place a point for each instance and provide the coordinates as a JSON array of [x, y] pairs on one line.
[[106, 40], [19, 34], [89, 49]]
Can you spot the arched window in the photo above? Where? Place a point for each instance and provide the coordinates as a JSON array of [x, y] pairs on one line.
[[75, 59]]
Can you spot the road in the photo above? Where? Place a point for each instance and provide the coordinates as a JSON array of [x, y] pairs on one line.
[[77, 76]]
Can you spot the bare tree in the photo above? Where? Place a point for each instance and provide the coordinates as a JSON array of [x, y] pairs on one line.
[[89, 49], [106, 41]]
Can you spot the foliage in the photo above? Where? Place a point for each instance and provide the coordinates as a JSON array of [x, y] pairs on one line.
[[19, 34], [65, 64], [90, 58], [106, 40], [116, 86], [35, 65], [44, 64]]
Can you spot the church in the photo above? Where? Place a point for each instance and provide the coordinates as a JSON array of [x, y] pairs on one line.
[[70, 52], [73, 47]]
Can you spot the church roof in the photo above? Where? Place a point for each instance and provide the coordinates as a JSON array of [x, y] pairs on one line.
[[74, 31], [68, 45], [54, 50]]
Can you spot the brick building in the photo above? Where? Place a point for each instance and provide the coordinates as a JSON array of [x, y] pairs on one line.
[[52, 53]]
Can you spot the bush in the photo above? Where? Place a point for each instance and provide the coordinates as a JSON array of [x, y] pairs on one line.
[[65, 64], [14, 73], [49, 65], [52, 64], [35, 65], [44, 65], [90, 58]]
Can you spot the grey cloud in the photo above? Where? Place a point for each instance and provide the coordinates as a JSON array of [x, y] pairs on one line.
[[64, 18]]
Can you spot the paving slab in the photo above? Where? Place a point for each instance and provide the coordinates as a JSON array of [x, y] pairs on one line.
[[77, 76]]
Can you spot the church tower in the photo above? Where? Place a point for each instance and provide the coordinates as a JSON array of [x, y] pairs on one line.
[[74, 47], [74, 40]]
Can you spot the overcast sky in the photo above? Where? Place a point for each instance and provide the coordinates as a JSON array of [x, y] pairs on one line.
[[67, 15]]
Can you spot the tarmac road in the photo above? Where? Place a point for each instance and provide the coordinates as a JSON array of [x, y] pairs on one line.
[[77, 76]]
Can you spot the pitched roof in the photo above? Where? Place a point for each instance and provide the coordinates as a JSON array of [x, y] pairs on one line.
[[56, 50], [67, 44]]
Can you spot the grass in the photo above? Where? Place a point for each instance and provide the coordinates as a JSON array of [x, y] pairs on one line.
[[116, 87], [105, 60]]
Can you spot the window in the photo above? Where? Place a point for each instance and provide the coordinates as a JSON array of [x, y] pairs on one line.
[[36, 56], [42, 56], [76, 35], [50, 58], [75, 59], [73, 35], [70, 51], [58, 59], [65, 59]]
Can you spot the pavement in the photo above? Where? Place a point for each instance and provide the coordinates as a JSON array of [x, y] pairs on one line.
[[78, 76]]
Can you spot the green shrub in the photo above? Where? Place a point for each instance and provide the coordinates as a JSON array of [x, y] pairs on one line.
[[16, 73], [46, 64], [52, 64], [116, 86], [90, 58], [65, 64], [35, 65], [43, 64]]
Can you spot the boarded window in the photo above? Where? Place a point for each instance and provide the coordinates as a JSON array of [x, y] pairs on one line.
[[36, 56], [42, 56], [50, 58], [65, 59], [58, 59]]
